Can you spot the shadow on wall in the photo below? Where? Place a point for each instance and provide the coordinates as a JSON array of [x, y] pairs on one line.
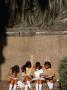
[[4, 16]]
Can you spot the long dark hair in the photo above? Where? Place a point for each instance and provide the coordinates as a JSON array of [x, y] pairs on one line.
[[23, 68], [38, 65], [27, 65], [15, 69]]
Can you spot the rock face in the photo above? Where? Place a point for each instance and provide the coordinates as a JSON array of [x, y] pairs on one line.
[[65, 1], [42, 14]]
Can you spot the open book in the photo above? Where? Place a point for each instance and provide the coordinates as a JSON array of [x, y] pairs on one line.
[[38, 72]]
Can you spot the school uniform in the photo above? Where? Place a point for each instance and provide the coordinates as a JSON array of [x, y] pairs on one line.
[[13, 80], [27, 77], [49, 77]]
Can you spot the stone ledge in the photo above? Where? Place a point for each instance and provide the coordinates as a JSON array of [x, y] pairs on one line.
[[31, 33]]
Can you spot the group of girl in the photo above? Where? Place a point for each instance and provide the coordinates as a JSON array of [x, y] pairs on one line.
[[30, 73]]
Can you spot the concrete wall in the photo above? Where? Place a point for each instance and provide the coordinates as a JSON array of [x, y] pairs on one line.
[[41, 47]]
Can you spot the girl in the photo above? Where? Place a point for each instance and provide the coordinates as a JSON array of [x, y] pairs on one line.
[[37, 75], [49, 74], [13, 77], [26, 74]]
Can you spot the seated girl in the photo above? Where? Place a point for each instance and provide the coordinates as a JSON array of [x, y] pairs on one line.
[[37, 76], [26, 74], [13, 77], [49, 74]]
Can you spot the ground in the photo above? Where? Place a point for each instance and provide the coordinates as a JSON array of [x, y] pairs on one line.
[[4, 85]]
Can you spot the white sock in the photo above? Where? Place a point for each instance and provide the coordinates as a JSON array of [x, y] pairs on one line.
[[50, 85], [14, 87], [40, 86], [36, 86], [26, 87], [28, 83], [10, 86]]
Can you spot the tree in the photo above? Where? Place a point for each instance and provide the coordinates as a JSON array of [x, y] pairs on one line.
[[63, 73]]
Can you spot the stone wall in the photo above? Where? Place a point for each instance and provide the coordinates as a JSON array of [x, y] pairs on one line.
[[41, 48]]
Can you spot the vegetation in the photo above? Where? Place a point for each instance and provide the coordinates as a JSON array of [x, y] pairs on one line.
[[34, 12], [63, 73]]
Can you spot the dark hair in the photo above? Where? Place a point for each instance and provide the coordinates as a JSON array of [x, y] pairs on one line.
[[47, 64], [38, 65], [15, 69], [28, 64], [23, 68]]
